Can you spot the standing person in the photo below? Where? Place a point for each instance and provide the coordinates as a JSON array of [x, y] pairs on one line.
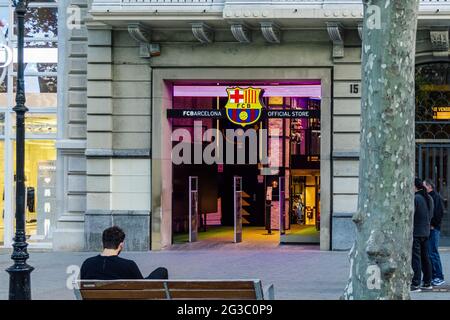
[[435, 226], [423, 208], [300, 210]]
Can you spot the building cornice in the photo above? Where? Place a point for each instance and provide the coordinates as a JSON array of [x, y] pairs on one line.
[[202, 32], [271, 31], [70, 146], [336, 34], [241, 32], [272, 18], [346, 10]]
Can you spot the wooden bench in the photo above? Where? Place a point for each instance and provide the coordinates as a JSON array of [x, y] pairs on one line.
[[171, 289]]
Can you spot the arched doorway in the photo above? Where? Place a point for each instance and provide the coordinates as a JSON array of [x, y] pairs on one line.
[[433, 132]]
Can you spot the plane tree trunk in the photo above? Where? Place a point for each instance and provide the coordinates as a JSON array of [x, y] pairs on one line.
[[380, 259]]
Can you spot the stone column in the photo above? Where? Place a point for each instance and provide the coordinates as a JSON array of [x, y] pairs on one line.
[[118, 138], [346, 146], [71, 141]]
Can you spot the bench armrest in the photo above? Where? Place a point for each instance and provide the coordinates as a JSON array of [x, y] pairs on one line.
[[269, 292]]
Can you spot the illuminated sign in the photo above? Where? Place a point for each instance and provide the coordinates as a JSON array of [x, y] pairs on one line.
[[221, 113], [244, 105], [441, 113]]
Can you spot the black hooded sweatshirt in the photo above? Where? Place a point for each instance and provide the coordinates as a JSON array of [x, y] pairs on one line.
[[422, 216], [438, 210], [109, 268]]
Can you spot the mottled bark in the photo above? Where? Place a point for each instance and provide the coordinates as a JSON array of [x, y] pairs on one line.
[[380, 259]]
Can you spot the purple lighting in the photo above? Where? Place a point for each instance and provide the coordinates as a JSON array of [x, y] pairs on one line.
[[310, 91]]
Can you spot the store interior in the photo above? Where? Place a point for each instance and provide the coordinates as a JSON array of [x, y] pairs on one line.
[[39, 187], [297, 148]]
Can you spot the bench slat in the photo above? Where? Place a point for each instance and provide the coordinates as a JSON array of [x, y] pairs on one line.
[[213, 294], [121, 285], [212, 285], [122, 294]]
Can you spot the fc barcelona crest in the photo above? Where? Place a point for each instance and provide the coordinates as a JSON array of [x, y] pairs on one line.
[[244, 106]]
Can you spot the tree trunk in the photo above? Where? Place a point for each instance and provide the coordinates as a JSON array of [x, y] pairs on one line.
[[380, 259]]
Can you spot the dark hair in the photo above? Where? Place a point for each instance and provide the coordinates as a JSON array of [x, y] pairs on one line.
[[112, 237], [419, 185], [430, 183]]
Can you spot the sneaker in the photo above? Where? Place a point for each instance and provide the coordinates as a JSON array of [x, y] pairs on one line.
[[426, 286], [438, 282], [415, 288]]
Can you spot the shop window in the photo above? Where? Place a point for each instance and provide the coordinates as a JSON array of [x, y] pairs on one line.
[[41, 58], [4, 16], [258, 187], [47, 67], [433, 132], [41, 22], [2, 190], [40, 176], [34, 65], [305, 133], [4, 53], [432, 101], [38, 123], [2, 123], [40, 91], [3, 94]]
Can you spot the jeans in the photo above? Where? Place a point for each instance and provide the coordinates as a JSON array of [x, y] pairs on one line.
[[421, 261], [159, 273], [434, 254]]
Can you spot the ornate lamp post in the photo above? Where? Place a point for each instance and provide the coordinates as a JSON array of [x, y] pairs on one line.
[[19, 273]]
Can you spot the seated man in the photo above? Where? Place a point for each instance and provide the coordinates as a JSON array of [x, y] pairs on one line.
[[109, 266]]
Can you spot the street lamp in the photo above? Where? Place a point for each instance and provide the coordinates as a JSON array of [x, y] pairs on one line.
[[19, 273]]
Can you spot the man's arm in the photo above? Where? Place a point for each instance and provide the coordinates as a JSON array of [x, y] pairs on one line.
[[415, 204], [83, 271], [439, 211], [431, 209], [135, 273]]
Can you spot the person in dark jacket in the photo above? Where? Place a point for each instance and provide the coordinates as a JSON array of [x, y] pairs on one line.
[[423, 208], [435, 226], [109, 266]]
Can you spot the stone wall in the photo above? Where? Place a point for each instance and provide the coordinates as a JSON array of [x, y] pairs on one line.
[[118, 139], [71, 142], [346, 144]]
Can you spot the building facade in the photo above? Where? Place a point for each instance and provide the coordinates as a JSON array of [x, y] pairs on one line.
[[124, 66]]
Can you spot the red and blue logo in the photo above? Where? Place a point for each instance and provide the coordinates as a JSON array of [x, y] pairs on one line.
[[244, 105]]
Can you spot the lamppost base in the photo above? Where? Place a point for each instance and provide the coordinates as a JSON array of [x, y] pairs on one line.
[[19, 282]]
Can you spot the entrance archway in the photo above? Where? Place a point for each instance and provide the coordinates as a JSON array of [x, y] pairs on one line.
[[280, 145], [162, 171]]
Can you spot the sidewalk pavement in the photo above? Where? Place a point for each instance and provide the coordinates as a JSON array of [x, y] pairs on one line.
[[297, 272]]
